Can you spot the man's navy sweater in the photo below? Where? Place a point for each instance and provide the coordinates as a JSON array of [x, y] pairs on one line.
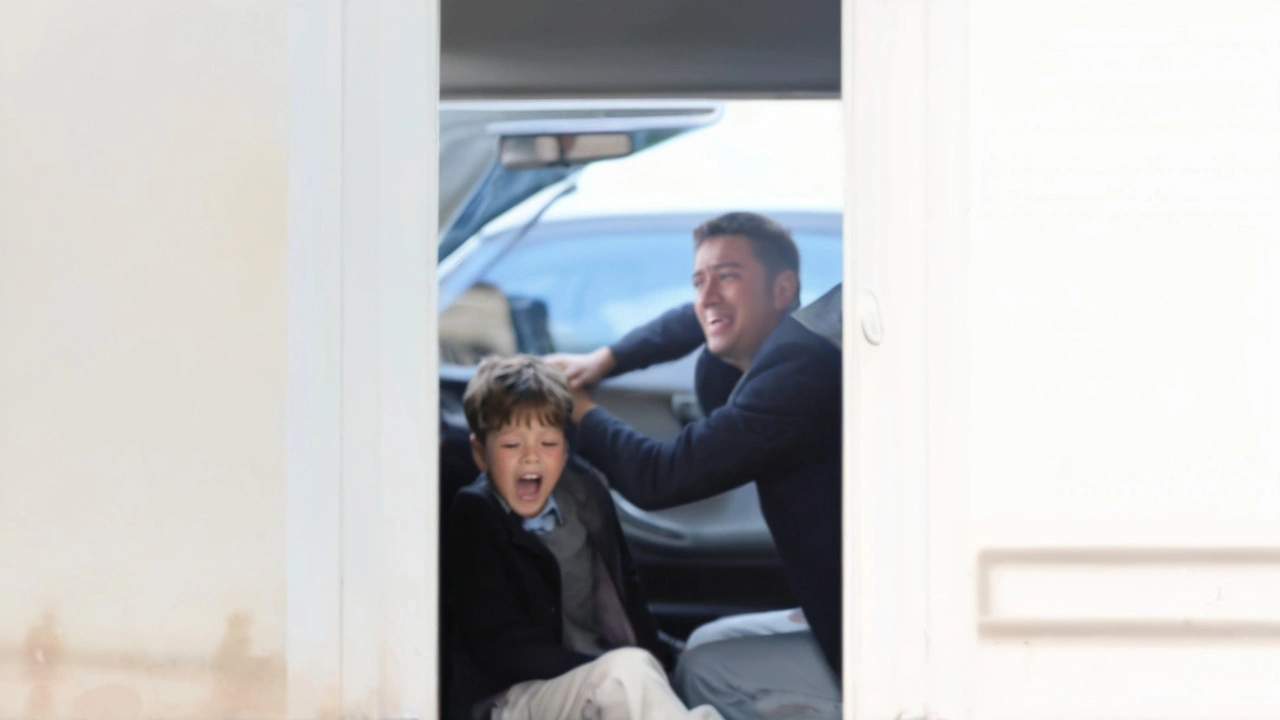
[[779, 426]]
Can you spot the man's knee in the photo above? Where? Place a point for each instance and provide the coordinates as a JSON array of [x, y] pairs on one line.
[[700, 673], [713, 631], [765, 676]]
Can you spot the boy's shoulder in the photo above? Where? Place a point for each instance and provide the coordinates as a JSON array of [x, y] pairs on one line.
[[585, 476], [583, 485], [480, 487], [475, 497], [579, 465]]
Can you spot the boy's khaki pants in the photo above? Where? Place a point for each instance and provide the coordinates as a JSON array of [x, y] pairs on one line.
[[624, 684]]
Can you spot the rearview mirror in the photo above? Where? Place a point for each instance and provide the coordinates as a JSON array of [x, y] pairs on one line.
[[535, 151]]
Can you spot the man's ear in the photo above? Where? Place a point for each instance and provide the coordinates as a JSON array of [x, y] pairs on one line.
[[477, 453], [786, 287]]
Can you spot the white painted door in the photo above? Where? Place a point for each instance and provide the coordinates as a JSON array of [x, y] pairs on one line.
[[1064, 464], [362, 401]]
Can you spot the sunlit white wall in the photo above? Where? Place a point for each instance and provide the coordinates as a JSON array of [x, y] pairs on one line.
[[1124, 309], [1123, 329], [143, 167], [1065, 488]]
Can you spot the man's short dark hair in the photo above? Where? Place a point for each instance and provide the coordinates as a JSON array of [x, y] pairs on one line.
[[507, 389], [771, 243]]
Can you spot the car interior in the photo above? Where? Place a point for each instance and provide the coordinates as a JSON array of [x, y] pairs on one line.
[[521, 112]]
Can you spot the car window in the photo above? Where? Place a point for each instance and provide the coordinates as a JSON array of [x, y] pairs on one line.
[[576, 293]]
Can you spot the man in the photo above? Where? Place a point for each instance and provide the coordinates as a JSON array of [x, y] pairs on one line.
[[771, 389]]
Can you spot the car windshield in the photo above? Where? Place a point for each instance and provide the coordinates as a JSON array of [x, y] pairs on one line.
[[617, 251], [595, 287]]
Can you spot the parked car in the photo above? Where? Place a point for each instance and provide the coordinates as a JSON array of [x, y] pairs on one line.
[[567, 257]]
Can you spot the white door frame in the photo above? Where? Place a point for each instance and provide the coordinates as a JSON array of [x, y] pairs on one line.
[[363, 439], [362, 429], [905, 239]]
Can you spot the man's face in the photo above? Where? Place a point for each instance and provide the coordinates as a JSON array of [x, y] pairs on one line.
[[736, 304], [524, 460]]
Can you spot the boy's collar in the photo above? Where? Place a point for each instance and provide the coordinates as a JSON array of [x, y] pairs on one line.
[[549, 519]]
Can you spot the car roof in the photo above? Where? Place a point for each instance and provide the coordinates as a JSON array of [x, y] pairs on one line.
[[799, 221], [771, 157]]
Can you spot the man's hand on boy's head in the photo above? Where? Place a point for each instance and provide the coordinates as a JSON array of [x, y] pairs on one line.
[[584, 370], [582, 403]]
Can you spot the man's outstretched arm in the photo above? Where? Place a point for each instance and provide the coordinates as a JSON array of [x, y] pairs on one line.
[[768, 426], [669, 336]]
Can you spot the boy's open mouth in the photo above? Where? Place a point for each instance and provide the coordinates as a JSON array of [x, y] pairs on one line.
[[527, 486]]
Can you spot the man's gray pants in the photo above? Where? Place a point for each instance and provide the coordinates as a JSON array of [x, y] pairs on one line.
[[758, 667]]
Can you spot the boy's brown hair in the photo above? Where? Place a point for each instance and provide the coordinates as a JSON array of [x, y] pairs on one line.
[[506, 388]]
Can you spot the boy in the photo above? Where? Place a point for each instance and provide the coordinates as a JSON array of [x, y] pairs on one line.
[[549, 620]]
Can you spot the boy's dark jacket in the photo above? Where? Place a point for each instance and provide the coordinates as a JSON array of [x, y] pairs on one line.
[[504, 598]]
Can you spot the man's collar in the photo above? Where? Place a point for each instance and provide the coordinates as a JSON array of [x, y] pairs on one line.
[[823, 316]]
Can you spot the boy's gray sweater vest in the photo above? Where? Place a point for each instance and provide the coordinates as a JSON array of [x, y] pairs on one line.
[[574, 554]]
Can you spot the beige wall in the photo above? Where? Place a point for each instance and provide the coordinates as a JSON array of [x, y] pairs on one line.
[[143, 167]]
